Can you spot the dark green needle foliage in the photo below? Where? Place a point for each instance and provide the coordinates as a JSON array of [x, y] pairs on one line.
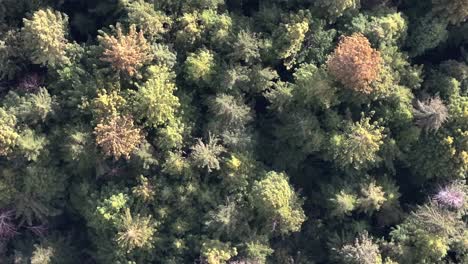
[[233, 131]]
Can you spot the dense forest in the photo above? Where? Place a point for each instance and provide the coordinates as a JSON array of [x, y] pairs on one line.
[[233, 131]]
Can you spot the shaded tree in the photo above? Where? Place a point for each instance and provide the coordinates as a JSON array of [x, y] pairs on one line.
[[426, 34], [229, 112], [455, 11]]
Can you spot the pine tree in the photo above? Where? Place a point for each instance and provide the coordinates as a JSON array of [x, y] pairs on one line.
[[359, 145], [455, 11], [430, 114], [155, 102], [274, 197], [8, 134], [207, 155], [135, 232], [45, 35]]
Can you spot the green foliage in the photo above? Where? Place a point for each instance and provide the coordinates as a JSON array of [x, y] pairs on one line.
[[40, 194], [134, 232], [206, 26], [31, 108], [289, 41], [217, 252], [440, 156], [372, 197], [154, 23], [426, 34], [336, 8], [277, 201], [258, 252], [213, 131], [455, 11], [200, 66], [246, 47], [228, 112], [45, 36], [343, 203], [301, 130], [8, 134], [387, 27], [11, 55], [358, 145], [31, 145], [427, 234], [155, 102], [314, 86]]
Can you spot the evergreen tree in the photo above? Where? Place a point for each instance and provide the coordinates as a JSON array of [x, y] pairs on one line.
[[155, 102], [359, 145], [275, 198], [45, 36]]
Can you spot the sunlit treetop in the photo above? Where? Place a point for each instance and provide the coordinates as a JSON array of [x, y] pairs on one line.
[[45, 35], [275, 198], [8, 134], [155, 102], [154, 22], [359, 145]]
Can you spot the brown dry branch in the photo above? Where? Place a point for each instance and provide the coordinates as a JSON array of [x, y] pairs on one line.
[[126, 53], [117, 136]]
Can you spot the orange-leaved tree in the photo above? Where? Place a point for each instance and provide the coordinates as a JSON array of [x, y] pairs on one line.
[[126, 53], [117, 136], [355, 63]]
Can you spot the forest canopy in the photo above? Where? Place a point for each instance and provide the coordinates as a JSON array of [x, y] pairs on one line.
[[234, 131]]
